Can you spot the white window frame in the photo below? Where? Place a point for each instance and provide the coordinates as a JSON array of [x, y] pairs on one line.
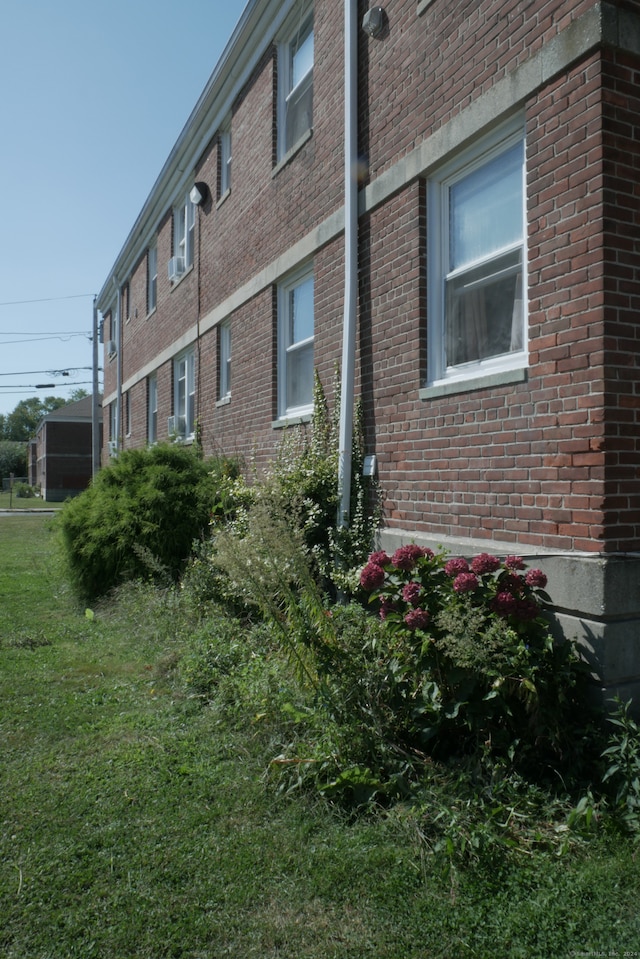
[[152, 278], [288, 348], [152, 409], [224, 361], [290, 88], [225, 158], [438, 239], [184, 221], [184, 398]]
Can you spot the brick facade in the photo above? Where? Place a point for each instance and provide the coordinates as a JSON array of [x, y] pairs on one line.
[[542, 460]]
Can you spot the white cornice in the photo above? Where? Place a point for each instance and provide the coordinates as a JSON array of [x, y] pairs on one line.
[[253, 34]]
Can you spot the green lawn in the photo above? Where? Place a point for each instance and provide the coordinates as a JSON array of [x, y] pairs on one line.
[[136, 823]]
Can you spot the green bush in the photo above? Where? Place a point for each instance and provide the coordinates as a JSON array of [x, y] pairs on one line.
[[23, 491], [139, 518]]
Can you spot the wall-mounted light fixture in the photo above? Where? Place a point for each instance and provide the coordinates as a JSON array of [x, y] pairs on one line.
[[199, 193], [373, 21]]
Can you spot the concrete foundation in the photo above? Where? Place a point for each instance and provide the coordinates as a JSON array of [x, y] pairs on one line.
[[595, 602]]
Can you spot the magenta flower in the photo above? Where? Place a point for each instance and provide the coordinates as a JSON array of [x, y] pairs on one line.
[[406, 557], [485, 563], [455, 566], [411, 593], [514, 562], [536, 578], [504, 603], [512, 583], [527, 609], [465, 582], [372, 577], [380, 558], [417, 618]]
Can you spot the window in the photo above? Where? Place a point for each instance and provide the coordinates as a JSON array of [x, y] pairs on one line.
[[127, 413], [295, 85], [184, 396], [224, 354], [295, 345], [184, 221], [152, 278], [152, 409], [477, 262], [224, 160]]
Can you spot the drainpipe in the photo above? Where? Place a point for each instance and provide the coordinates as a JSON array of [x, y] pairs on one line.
[[350, 259], [119, 365]]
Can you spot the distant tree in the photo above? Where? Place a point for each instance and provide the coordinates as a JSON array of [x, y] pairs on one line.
[[21, 424], [78, 394], [13, 459]]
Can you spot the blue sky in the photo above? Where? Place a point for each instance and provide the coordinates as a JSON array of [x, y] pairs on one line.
[[95, 94]]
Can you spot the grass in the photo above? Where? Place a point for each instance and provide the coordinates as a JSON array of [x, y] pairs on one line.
[[136, 823], [11, 501]]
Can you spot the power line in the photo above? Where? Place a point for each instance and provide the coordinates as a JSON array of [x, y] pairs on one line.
[[66, 372], [39, 339], [47, 386], [48, 299]]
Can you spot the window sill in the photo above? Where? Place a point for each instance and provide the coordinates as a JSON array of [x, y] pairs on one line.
[[224, 401], [151, 312], [285, 420], [502, 378], [176, 283], [227, 193], [297, 146], [422, 6]]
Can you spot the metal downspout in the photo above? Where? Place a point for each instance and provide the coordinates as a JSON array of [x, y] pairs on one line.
[[350, 259], [118, 368]]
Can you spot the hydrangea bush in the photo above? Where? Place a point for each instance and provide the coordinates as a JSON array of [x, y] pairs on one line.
[[470, 655]]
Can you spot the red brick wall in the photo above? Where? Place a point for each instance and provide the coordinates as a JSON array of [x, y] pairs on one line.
[[550, 462]]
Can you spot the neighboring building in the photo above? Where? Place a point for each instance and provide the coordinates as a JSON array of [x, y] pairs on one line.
[[60, 456], [497, 277]]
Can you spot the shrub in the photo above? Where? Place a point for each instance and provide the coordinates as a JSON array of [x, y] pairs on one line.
[[24, 491], [473, 662], [139, 517]]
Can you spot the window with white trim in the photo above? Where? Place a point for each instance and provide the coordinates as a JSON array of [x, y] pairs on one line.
[[224, 361], [184, 220], [477, 261], [295, 344], [224, 159], [295, 83], [184, 396], [152, 409], [152, 278]]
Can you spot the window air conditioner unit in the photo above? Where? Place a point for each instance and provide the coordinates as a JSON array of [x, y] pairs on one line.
[[111, 348], [176, 426], [175, 268]]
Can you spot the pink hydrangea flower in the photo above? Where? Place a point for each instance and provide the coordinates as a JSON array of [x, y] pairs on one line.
[[411, 593], [417, 618], [485, 563], [406, 557], [455, 566], [514, 562], [504, 603], [380, 558], [536, 578], [527, 609], [372, 577], [465, 582]]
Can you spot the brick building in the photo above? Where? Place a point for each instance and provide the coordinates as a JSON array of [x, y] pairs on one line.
[[60, 455], [458, 187]]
